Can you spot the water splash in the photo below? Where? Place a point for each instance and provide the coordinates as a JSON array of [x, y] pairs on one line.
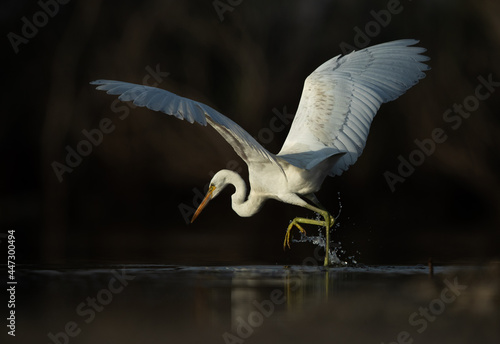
[[337, 253]]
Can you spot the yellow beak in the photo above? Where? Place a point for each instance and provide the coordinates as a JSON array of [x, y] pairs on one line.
[[204, 203]]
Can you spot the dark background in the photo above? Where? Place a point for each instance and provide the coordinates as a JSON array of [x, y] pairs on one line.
[[121, 203]]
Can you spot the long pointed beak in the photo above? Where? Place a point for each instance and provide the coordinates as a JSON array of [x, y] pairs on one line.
[[204, 203]]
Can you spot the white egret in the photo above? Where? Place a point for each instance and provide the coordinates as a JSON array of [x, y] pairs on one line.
[[329, 131]]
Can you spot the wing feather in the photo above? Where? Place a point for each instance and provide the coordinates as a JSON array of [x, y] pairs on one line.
[[342, 96], [192, 111]]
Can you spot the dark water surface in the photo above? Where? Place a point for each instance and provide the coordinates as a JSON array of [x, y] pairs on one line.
[[257, 304]]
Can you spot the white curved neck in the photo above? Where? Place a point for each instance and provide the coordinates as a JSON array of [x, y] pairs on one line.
[[242, 205]]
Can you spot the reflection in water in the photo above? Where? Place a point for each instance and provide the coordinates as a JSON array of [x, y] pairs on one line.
[[259, 304]]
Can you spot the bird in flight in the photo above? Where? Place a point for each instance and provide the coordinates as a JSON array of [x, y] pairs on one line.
[[328, 133]]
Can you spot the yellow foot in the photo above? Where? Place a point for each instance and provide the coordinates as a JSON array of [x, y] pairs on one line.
[[287, 234], [328, 222], [295, 222]]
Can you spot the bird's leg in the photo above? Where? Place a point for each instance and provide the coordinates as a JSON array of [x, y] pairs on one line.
[[295, 222], [327, 223], [312, 197], [290, 226], [330, 222]]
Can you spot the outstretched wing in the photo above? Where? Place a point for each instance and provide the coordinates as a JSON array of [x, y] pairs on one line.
[[192, 111], [342, 96]]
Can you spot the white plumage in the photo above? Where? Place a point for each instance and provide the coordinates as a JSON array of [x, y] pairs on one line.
[[342, 96], [328, 134]]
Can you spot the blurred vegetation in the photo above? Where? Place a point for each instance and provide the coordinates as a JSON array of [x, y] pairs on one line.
[[121, 202]]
